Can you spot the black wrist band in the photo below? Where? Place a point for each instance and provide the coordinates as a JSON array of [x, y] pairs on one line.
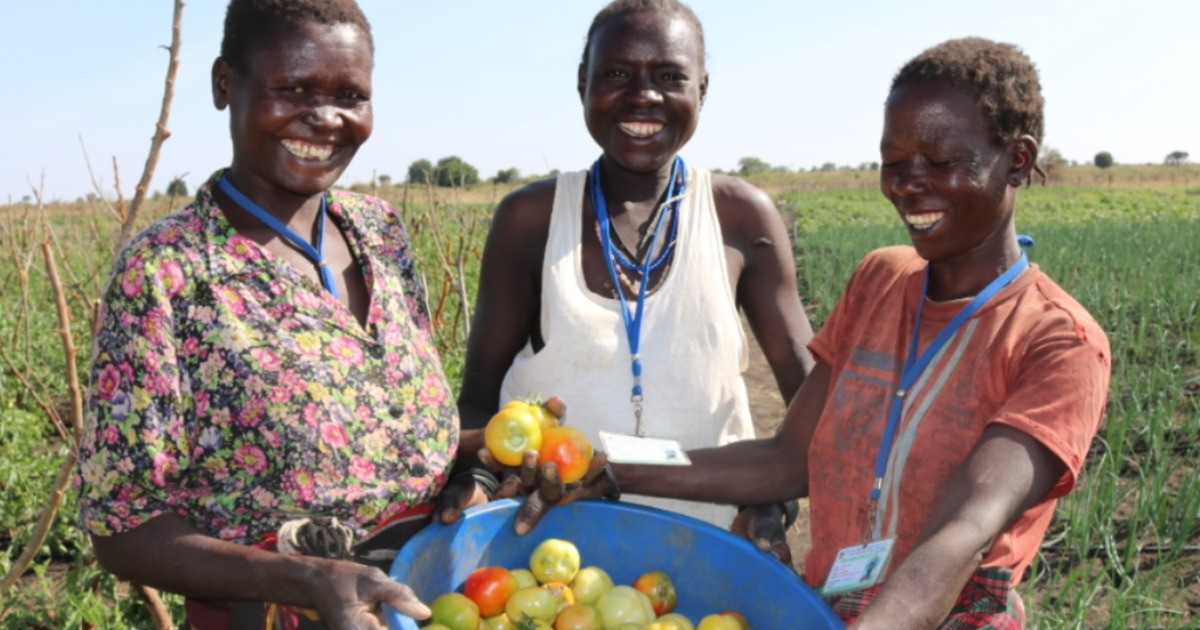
[[614, 489], [483, 477]]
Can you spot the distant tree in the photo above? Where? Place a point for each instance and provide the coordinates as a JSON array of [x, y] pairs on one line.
[[1051, 161], [828, 166], [1103, 159], [752, 166], [177, 188], [553, 173], [420, 172], [505, 176], [1177, 157], [26, 199], [780, 169], [453, 171], [385, 180]]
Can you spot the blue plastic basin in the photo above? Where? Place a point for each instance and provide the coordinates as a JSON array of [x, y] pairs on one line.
[[713, 570]]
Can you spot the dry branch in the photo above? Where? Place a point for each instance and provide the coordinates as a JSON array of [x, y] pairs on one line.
[[65, 470], [96, 185], [161, 133]]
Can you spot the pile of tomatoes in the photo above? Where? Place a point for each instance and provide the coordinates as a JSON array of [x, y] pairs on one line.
[[522, 426], [554, 593]]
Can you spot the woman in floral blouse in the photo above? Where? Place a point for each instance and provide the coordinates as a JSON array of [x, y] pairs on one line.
[[264, 355]]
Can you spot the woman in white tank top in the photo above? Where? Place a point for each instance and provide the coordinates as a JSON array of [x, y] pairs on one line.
[[549, 317]]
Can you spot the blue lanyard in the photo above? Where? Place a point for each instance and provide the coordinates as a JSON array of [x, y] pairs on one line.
[[633, 320], [913, 366], [314, 253]]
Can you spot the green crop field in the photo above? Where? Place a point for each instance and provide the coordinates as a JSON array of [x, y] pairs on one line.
[[1124, 550]]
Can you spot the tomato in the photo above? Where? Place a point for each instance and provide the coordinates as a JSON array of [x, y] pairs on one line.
[[554, 560], [672, 621], [455, 611], [720, 622], [525, 579], [531, 603], [625, 604], [561, 592], [738, 616], [579, 617], [659, 588], [546, 417], [510, 433], [533, 624], [589, 584], [434, 626], [499, 622], [570, 449], [490, 588]]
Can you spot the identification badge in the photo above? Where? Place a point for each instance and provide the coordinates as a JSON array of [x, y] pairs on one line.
[[630, 449], [858, 566]]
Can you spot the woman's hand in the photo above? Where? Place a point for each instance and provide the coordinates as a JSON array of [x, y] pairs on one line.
[[551, 491], [766, 526], [463, 491], [349, 596]]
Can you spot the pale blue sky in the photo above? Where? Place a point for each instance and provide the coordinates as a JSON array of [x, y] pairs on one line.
[[795, 83]]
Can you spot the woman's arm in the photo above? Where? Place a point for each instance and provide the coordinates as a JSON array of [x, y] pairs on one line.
[[746, 472], [507, 305], [766, 285], [1006, 473], [169, 554]]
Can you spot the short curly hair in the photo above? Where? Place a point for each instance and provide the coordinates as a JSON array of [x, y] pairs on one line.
[[621, 8], [1003, 78], [249, 22]]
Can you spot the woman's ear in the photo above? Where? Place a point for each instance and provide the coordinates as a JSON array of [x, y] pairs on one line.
[[1024, 160], [220, 83], [581, 81], [703, 90]]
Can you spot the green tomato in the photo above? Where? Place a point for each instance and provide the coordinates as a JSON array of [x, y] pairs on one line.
[[554, 560], [455, 611], [589, 584], [625, 604], [499, 622], [674, 621], [531, 603], [525, 579]]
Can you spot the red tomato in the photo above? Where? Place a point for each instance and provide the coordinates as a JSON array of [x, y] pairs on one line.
[[570, 449], [579, 617], [739, 617], [510, 433], [490, 588], [455, 611], [659, 588]]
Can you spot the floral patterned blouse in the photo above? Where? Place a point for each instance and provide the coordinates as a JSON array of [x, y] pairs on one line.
[[234, 392]]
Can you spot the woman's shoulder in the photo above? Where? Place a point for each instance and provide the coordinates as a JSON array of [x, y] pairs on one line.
[[730, 190], [528, 206]]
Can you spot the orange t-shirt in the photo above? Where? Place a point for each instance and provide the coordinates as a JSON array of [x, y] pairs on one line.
[[1031, 358]]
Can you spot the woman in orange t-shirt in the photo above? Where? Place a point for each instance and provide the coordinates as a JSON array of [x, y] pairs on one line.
[[957, 387]]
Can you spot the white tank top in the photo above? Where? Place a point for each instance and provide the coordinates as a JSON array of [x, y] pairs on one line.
[[693, 349]]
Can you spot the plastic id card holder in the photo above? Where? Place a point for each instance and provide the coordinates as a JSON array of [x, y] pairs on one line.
[[630, 449], [858, 566]]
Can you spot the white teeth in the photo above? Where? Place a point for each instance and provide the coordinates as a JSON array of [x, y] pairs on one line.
[[924, 220], [641, 129], [306, 151]]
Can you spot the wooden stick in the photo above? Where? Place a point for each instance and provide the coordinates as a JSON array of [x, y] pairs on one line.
[[65, 471], [161, 133], [158, 610]]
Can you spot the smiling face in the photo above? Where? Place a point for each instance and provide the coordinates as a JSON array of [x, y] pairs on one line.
[[642, 88], [948, 175], [300, 111]]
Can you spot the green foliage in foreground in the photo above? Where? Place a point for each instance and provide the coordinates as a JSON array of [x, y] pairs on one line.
[[1130, 256]]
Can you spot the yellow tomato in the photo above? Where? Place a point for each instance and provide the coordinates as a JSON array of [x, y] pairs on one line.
[[510, 433]]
